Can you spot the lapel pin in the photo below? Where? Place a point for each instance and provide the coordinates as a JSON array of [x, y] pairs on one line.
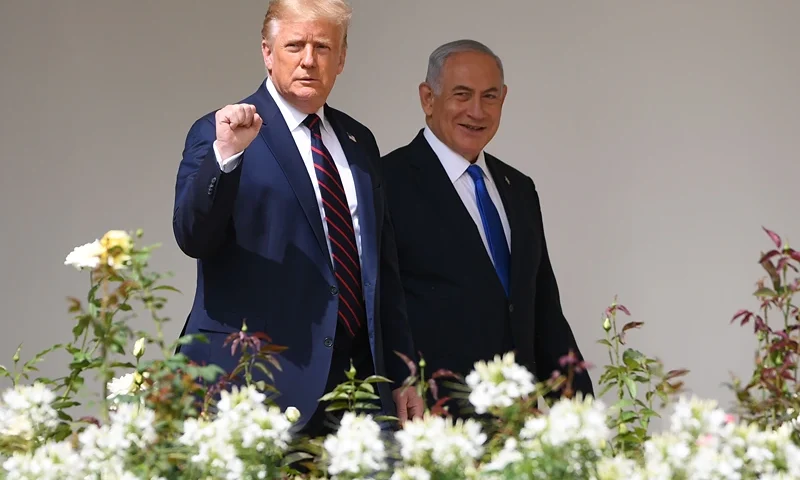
[[351, 137], [508, 181]]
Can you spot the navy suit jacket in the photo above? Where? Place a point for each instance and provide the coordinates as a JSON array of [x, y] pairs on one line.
[[261, 253], [453, 293]]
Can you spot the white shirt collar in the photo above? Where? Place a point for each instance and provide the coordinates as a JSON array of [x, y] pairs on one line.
[[454, 164], [294, 117]]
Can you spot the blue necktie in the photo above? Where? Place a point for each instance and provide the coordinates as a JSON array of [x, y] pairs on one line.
[[492, 227]]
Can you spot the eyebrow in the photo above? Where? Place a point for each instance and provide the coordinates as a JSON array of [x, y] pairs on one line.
[[464, 87]]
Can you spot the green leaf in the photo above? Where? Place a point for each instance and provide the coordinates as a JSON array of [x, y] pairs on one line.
[[337, 406], [367, 387], [125, 307], [764, 292], [334, 395], [366, 396], [168, 288], [377, 379], [627, 416], [631, 387], [604, 342], [366, 406]]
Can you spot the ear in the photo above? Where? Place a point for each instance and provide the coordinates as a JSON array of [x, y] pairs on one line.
[[266, 52], [342, 57], [505, 92], [426, 98]]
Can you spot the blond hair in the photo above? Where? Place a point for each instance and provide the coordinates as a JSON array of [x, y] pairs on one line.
[[336, 11]]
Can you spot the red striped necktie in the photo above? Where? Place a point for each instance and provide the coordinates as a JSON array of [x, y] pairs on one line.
[[341, 235]]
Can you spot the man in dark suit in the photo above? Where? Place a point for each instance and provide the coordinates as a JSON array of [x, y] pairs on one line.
[[278, 199], [471, 245]]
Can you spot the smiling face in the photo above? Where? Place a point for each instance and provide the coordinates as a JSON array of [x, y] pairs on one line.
[[303, 60], [464, 113]]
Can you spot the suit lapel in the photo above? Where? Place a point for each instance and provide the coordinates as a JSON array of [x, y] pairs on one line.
[[508, 195], [432, 179], [278, 138]]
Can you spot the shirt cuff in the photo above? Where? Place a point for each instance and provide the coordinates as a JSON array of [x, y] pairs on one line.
[[229, 164]]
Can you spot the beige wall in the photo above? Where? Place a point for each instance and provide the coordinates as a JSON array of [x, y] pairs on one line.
[[661, 136]]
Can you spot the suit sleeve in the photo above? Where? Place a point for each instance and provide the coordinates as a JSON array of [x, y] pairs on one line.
[[554, 337], [396, 333], [204, 193]]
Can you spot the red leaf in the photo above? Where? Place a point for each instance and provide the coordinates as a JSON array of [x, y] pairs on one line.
[[784, 262], [433, 388], [438, 408], [768, 255], [795, 255], [742, 313], [624, 309], [409, 363], [774, 236], [443, 373]]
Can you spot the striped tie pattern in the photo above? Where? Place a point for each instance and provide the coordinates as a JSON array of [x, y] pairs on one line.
[[341, 235]]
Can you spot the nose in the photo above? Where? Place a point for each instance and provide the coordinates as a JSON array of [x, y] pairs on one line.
[[309, 57], [475, 108]]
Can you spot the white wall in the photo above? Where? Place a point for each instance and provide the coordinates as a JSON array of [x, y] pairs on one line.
[[661, 136]]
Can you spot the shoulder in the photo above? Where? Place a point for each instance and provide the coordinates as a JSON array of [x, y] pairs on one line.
[[513, 174], [358, 130]]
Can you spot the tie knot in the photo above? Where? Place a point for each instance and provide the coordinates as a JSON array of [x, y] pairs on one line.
[[476, 172], [312, 122]]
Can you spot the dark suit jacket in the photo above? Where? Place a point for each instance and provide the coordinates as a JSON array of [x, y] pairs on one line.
[[457, 308], [261, 254]]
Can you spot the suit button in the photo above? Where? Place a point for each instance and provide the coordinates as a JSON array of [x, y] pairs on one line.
[[368, 284], [328, 342], [511, 308], [213, 180], [334, 290]]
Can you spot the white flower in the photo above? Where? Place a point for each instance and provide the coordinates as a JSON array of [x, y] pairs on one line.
[[510, 454], [498, 383], [124, 385], [618, 468], [243, 428], [570, 421], [411, 473], [438, 443], [26, 411], [356, 448], [292, 414], [51, 461], [139, 347], [85, 256]]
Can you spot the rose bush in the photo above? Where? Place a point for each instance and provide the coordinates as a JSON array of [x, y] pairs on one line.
[[170, 419]]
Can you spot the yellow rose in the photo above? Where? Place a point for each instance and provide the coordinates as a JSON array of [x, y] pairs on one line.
[[118, 245]]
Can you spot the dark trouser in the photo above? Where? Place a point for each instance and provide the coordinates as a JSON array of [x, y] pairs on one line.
[[345, 348]]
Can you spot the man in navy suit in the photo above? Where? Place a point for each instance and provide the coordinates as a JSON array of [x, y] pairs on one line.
[[470, 238], [278, 199]]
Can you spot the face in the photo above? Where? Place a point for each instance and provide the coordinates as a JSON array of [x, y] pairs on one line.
[[303, 60], [465, 114]]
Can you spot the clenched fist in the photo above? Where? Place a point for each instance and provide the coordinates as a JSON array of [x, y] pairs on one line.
[[237, 126]]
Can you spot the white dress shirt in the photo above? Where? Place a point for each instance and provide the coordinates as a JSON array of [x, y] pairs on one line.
[[302, 138], [456, 167]]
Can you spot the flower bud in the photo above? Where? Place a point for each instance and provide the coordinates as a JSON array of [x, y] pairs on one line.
[[623, 428], [422, 363], [292, 414], [138, 348], [607, 324]]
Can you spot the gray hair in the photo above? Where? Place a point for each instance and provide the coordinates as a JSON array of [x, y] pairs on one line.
[[439, 56]]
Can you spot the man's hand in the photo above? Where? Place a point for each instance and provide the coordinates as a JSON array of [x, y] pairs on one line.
[[409, 403], [237, 126]]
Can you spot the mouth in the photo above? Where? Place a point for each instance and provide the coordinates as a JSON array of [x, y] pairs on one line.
[[472, 128]]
